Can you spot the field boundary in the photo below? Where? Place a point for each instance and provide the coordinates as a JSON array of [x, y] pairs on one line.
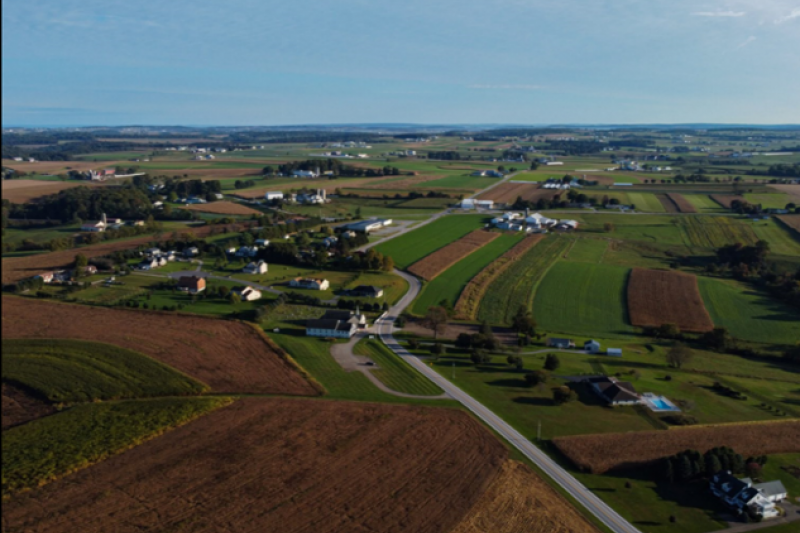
[[431, 266]]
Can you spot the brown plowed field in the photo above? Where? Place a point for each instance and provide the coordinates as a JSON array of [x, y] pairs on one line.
[[619, 451], [19, 268], [793, 221], [277, 465], [792, 190], [657, 297], [683, 205], [600, 179], [442, 259], [669, 205], [725, 199], [507, 193], [54, 168], [224, 208], [23, 191], [519, 501], [470, 299], [19, 407], [230, 357]]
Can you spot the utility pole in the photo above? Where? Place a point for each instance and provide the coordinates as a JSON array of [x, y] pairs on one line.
[[539, 431]]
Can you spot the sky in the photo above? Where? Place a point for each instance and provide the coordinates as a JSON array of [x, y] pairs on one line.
[[268, 62]]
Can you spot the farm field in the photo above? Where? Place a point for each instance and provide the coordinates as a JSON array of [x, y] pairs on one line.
[[24, 190], [618, 451], [657, 297], [44, 450], [748, 314], [413, 246], [517, 286], [782, 241], [792, 221], [450, 283], [793, 191], [704, 204], [583, 298], [72, 371], [682, 204], [587, 250], [470, 298], [507, 193], [769, 201], [20, 407], [725, 200], [377, 467], [715, 232], [394, 372], [224, 208], [646, 202], [230, 357], [436, 263]]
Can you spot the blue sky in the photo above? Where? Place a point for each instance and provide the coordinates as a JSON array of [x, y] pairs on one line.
[[267, 62]]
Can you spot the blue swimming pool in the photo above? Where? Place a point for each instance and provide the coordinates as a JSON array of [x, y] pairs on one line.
[[659, 403]]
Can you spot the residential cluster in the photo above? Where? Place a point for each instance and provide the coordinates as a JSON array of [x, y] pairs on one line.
[[535, 223]]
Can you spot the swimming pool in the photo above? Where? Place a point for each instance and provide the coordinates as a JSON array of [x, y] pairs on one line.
[[659, 404]]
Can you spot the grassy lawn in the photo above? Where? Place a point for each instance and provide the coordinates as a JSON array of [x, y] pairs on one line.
[[394, 372], [394, 287], [749, 314], [449, 285]]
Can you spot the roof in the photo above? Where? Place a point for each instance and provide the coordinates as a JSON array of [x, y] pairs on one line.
[[190, 280], [613, 390], [364, 224], [337, 315], [327, 324], [560, 341], [771, 488], [367, 288]]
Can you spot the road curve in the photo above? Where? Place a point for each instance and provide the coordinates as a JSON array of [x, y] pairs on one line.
[[577, 490]]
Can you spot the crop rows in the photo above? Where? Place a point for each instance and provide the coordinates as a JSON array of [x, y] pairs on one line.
[[683, 205], [620, 451], [439, 261], [470, 300], [715, 232], [657, 297]]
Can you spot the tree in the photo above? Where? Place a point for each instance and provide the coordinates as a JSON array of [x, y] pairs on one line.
[[435, 320], [480, 357], [438, 350], [668, 331], [235, 299], [523, 322], [536, 378], [564, 394], [81, 262], [552, 362], [515, 361], [608, 227], [679, 355]]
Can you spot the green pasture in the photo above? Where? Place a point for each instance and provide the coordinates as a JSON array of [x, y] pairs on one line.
[[704, 204], [587, 250], [769, 201], [648, 203]]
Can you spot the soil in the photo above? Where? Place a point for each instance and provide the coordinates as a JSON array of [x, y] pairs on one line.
[[793, 221], [23, 191], [683, 205], [224, 208], [279, 465], [440, 260], [669, 205], [19, 407], [507, 193], [657, 297], [725, 199], [228, 356], [792, 190], [520, 501]]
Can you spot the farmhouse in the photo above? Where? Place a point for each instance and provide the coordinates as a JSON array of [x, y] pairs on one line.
[[247, 294], [476, 204], [192, 284], [358, 319], [366, 226], [613, 391], [306, 173], [273, 195], [312, 284], [743, 496], [562, 344], [366, 291], [336, 329], [256, 268], [591, 346], [191, 252], [247, 251]]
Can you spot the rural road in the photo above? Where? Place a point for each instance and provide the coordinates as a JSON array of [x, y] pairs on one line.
[[578, 491]]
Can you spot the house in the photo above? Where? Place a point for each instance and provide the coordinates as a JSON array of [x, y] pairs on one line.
[[148, 264], [46, 277], [256, 268], [613, 391], [358, 319], [561, 344], [743, 496], [219, 196], [329, 241], [276, 195], [306, 173], [476, 204], [247, 294], [262, 243], [137, 223], [591, 346], [192, 284], [366, 226], [614, 352], [191, 252], [247, 251], [89, 270], [366, 291], [94, 227], [312, 284], [153, 251], [334, 329]]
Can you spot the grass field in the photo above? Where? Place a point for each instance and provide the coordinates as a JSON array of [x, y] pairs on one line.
[[715, 232], [587, 250], [646, 202], [583, 298], [413, 246], [748, 314], [704, 204], [781, 240], [76, 371], [769, 201], [448, 285], [517, 286], [46, 449], [394, 372]]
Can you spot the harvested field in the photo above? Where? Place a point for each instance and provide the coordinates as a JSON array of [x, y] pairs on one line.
[[792, 190], [619, 451], [224, 208], [657, 297], [507, 193], [669, 205], [792, 221], [263, 465], [19, 268], [230, 357], [600, 179], [470, 300], [683, 205], [439, 261], [62, 167], [330, 187], [409, 183], [725, 199], [23, 191], [20, 407], [519, 501]]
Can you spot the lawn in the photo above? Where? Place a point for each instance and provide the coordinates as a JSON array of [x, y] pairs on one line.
[[75, 371], [749, 314], [409, 248], [449, 285], [394, 372], [584, 298], [394, 287]]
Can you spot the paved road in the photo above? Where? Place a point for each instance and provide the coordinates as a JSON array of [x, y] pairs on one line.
[[584, 496]]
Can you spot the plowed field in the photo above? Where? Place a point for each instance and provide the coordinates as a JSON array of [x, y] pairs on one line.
[[793, 221], [669, 205], [470, 299], [288, 466], [20, 407], [440, 260], [224, 208], [683, 205], [519, 501], [618, 451], [507, 193], [725, 199], [657, 297], [792, 190], [23, 191], [230, 357]]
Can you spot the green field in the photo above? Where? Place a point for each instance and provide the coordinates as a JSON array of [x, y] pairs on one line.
[[782, 241], [646, 202], [715, 232], [394, 372], [587, 250], [449, 285], [44, 450], [583, 298], [411, 247], [748, 314], [517, 286], [704, 204], [77, 371], [769, 201]]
